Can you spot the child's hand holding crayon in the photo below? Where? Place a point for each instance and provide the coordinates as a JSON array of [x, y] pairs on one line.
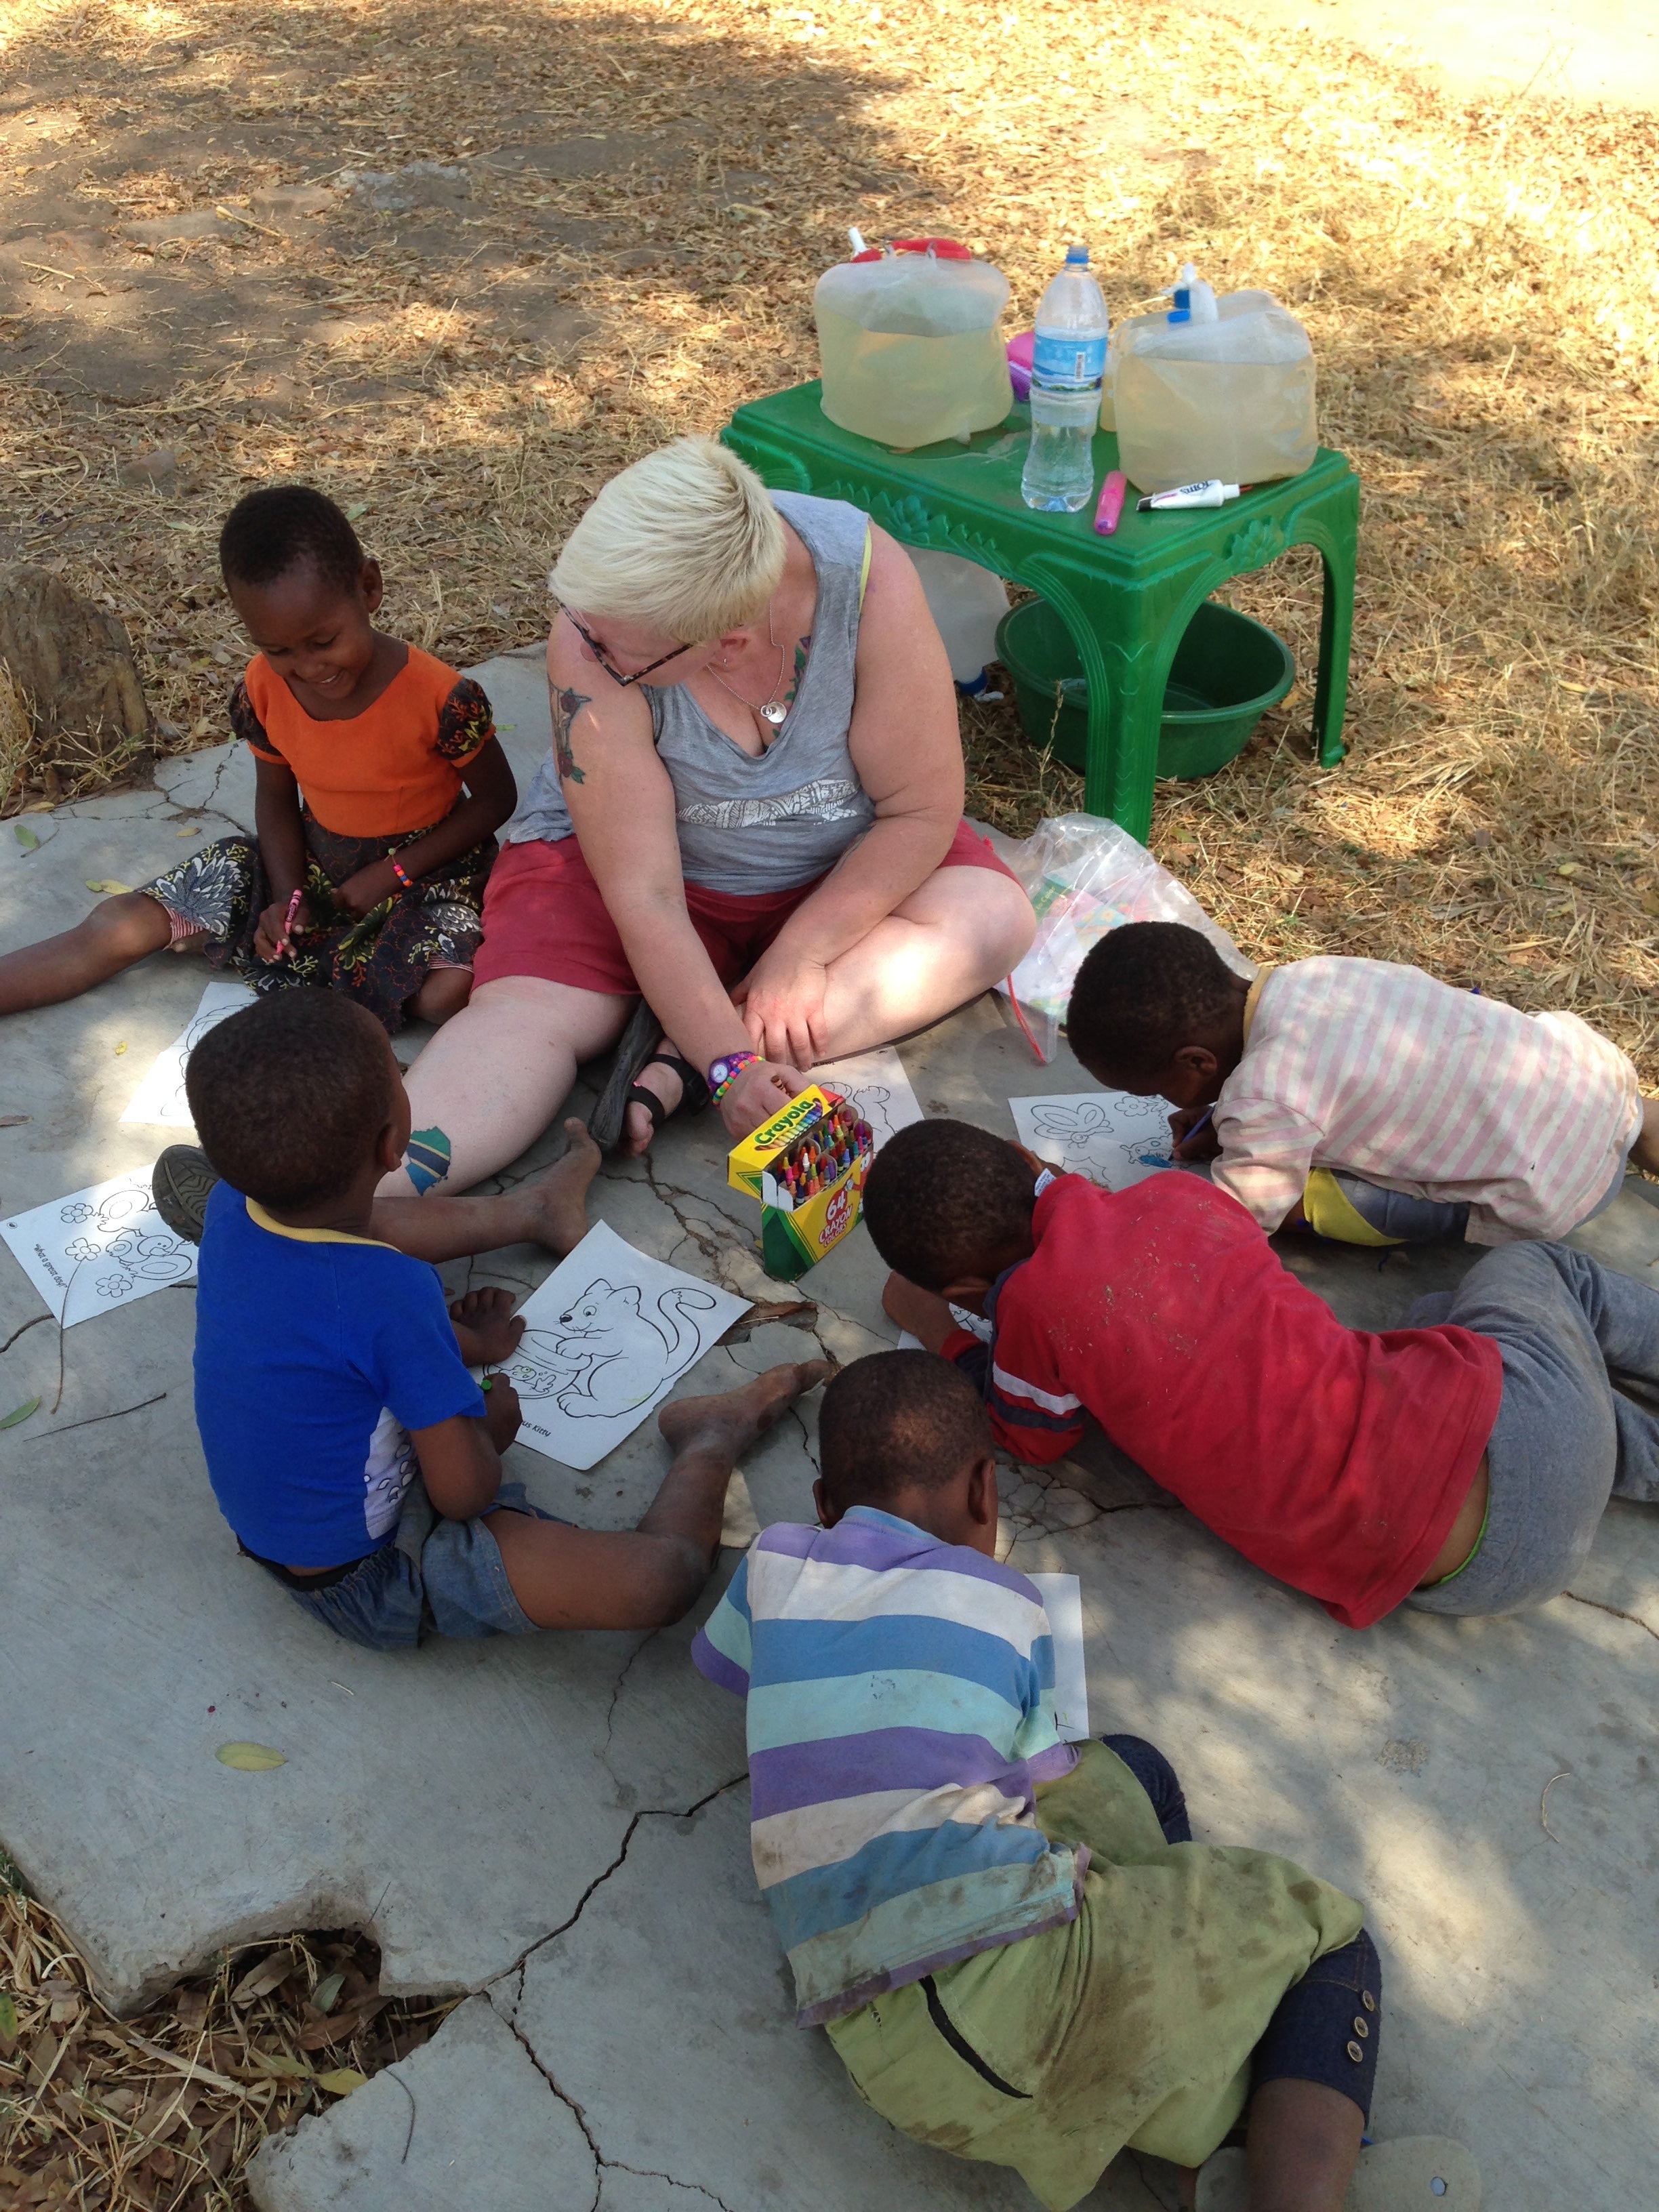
[[282, 920], [1192, 1128]]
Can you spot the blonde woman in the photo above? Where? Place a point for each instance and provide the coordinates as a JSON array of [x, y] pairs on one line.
[[751, 820]]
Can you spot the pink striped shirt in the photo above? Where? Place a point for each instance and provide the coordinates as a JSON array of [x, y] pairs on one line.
[[1384, 1071]]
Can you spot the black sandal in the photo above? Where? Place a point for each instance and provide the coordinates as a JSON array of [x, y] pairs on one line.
[[635, 1053], [693, 1090]]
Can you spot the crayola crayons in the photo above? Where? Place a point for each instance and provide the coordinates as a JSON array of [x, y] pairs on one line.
[[806, 1165]]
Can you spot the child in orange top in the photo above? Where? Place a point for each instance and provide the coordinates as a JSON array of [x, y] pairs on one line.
[[380, 784]]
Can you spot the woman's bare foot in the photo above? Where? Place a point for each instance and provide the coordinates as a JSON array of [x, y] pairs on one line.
[[638, 1128], [727, 1423], [558, 1201]]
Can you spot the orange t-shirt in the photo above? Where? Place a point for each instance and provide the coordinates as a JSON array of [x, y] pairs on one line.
[[394, 767]]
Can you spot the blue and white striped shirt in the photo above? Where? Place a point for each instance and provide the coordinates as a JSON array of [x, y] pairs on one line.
[[900, 1708]]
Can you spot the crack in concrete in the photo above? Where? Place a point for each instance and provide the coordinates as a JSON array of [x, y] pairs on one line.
[[518, 1973], [644, 1813], [616, 1693], [1618, 1612]]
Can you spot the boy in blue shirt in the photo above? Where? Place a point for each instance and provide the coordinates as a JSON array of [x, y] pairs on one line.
[[353, 1455]]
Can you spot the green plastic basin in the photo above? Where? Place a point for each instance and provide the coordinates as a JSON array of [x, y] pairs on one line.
[[1227, 671]]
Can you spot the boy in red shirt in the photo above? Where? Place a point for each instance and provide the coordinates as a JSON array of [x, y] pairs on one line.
[[1462, 1462]]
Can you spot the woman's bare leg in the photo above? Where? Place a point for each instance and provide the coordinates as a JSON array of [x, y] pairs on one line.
[[494, 1076], [117, 933], [957, 934], [961, 931]]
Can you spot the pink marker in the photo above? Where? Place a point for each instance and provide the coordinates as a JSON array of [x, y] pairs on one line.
[[1112, 494]]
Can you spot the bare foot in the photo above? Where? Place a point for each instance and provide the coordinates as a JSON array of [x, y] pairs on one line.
[[1644, 1152], [638, 1128], [730, 1421], [558, 1201]]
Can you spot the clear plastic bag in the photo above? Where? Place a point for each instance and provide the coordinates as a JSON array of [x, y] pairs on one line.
[[1086, 876]]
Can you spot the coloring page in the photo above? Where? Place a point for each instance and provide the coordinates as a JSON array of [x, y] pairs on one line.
[[1062, 1601], [98, 1249], [876, 1083], [606, 1337], [160, 1098], [1110, 1136]]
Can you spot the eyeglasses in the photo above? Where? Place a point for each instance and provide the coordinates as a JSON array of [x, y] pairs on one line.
[[609, 666]]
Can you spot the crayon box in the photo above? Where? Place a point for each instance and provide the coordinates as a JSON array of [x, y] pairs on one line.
[[806, 1166]]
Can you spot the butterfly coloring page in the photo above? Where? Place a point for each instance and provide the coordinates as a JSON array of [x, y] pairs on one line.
[[1110, 1136]]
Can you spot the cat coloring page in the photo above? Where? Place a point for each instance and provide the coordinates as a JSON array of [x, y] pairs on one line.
[[606, 1338]]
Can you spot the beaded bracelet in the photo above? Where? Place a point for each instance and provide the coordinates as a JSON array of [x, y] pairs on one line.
[[401, 872], [723, 1074]]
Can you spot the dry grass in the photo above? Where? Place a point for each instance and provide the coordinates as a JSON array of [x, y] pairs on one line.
[[1482, 286], [1480, 280], [162, 2112]]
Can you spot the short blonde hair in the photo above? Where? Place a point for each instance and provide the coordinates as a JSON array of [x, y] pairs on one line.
[[686, 541]]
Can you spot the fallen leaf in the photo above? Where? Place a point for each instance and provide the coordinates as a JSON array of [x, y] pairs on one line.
[[201, 726], [120, 1048], [1568, 868], [250, 1757], [341, 2027], [1651, 901], [280, 2065], [326, 1991], [8, 2009], [341, 2081], [187, 2067], [353, 513], [19, 1414], [25, 836], [263, 1978], [14, 1120], [108, 886]]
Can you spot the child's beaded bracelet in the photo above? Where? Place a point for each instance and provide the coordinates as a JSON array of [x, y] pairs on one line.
[[401, 872], [724, 1072]]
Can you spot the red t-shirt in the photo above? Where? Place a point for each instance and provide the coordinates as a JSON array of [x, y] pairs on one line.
[[1335, 1458]]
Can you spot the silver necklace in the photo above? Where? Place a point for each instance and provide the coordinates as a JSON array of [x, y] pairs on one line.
[[774, 709]]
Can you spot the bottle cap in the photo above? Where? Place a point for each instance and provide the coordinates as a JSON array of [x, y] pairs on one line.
[[1078, 254]]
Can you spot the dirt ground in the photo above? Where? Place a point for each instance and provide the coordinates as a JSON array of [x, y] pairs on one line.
[[201, 289]]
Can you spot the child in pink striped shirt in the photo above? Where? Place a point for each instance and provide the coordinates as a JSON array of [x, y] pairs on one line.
[[1368, 1102]]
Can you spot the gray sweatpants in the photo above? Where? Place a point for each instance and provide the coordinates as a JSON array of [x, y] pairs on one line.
[[1579, 1420]]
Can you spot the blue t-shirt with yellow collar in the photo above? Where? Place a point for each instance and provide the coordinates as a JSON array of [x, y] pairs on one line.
[[316, 1353]]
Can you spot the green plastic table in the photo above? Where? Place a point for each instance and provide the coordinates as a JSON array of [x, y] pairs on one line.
[[1126, 599]]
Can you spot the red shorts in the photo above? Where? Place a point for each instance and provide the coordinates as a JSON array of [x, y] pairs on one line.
[[543, 916]]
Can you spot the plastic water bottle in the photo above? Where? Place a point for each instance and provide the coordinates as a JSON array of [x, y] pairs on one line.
[[1068, 363]]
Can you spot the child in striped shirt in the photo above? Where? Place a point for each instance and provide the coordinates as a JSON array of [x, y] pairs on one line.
[[1368, 1102], [1016, 1949]]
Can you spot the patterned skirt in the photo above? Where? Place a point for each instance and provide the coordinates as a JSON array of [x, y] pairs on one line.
[[382, 961]]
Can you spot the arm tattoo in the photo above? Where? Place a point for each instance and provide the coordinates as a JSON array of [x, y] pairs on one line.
[[566, 707]]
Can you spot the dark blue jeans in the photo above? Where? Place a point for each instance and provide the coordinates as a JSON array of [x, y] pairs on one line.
[[1325, 2026]]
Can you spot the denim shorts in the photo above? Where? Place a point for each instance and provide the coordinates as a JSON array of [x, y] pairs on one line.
[[436, 1578]]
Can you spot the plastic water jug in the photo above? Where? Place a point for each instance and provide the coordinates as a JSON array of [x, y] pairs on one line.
[[1218, 387], [910, 343], [966, 602]]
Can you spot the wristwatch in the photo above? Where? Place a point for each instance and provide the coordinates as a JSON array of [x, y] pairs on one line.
[[722, 1072]]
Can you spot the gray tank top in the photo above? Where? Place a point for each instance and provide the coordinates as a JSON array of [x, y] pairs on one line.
[[747, 825]]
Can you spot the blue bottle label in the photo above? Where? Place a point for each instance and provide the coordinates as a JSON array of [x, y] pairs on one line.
[[1068, 361]]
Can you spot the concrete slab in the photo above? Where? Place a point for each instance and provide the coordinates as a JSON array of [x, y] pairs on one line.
[[558, 1824]]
